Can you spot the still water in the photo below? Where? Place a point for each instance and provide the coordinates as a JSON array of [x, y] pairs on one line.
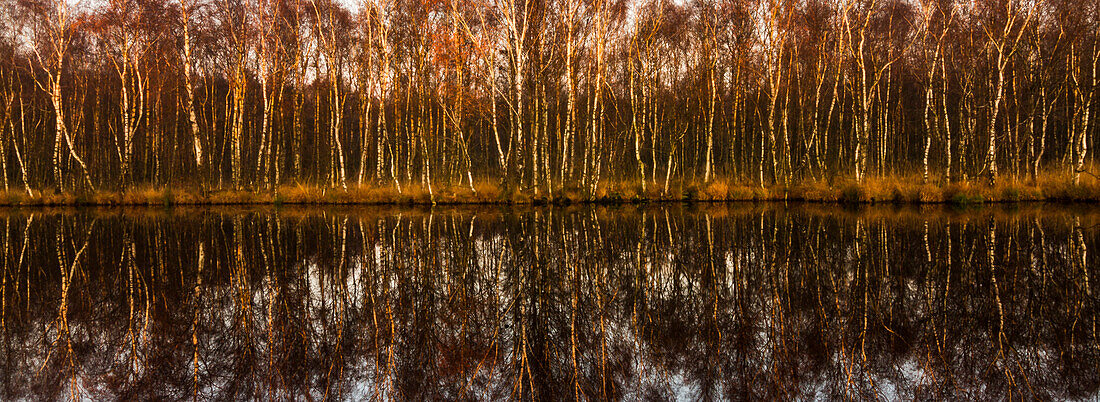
[[675, 301]]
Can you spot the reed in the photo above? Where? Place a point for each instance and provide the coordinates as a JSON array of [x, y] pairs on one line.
[[1049, 186]]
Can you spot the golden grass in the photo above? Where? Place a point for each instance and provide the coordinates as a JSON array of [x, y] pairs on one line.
[[1049, 186]]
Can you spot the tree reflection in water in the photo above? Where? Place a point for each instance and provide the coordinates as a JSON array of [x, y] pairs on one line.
[[735, 301]]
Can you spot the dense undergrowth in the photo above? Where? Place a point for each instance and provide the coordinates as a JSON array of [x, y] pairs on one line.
[[1051, 186]]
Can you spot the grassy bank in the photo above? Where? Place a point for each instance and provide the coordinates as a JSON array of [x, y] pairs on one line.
[[1049, 187]]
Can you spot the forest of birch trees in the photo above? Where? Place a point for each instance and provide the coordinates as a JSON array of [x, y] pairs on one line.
[[542, 95]]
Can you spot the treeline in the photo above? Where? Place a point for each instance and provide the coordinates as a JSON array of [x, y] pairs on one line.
[[541, 95]]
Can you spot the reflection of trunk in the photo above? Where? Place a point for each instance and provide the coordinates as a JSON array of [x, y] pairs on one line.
[[362, 299], [18, 264], [861, 261], [991, 252], [136, 336], [196, 300], [927, 246], [1081, 254], [61, 324]]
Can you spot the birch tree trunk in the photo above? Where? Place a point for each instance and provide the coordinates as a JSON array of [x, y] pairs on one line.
[[189, 89]]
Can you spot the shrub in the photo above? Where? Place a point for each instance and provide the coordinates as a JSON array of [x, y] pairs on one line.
[[962, 198], [853, 193]]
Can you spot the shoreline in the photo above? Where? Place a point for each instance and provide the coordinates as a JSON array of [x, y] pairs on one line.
[[871, 191]]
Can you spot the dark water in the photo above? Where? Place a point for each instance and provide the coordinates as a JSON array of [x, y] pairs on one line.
[[685, 302]]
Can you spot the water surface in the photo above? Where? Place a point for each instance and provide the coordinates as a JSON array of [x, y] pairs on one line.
[[671, 301]]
